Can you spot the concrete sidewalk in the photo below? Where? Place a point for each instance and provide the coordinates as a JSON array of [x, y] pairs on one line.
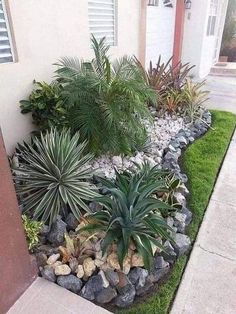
[[44, 297], [209, 282], [222, 93]]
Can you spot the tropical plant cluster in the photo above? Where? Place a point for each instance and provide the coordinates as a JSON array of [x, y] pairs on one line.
[[107, 101]]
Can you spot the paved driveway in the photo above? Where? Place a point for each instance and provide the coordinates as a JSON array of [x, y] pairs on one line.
[[223, 93]]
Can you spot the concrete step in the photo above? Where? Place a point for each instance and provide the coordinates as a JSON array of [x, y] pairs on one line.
[[44, 297], [224, 69]]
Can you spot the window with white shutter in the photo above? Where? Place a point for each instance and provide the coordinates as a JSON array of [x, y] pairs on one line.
[[102, 20], [6, 54]]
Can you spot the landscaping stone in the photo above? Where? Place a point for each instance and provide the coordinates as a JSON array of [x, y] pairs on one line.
[[74, 265], [70, 282], [72, 222], [137, 277], [112, 277], [157, 273], [126, 294], [169, 254], [93, 285], [181, 243], [89, 266], [41, 259], [188, 215], [62, 270], [48, 273], [53, 258], [141, 291], [80, 271], [159, 262], [56, 234], [106, 295]]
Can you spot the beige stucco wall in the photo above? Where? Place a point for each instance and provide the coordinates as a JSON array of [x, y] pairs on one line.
[[45, 30]]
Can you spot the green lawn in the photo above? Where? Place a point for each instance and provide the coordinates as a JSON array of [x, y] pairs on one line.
[[201, 162]]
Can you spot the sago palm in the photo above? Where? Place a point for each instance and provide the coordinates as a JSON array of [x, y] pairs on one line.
[[107, 100]]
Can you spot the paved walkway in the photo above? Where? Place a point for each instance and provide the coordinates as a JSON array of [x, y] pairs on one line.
[[223, 93], [44, 297], [209, 282]]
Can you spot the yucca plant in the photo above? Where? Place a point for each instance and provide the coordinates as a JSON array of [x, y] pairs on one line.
[[107, 100], [132, 214], [52, 176]]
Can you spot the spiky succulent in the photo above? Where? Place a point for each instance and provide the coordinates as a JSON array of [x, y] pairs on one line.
[[52, 176], [132, 214]]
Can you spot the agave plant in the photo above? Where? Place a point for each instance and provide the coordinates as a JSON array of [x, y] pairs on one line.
[[132, 214], [52, 176], [107, 100]]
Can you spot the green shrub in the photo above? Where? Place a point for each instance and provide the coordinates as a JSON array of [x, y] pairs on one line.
[[131, 213], [193, 97], [46, 105], [32, 229], [107, 100], [52, 176]]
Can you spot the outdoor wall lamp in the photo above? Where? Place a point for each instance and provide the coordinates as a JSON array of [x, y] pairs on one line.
[[188, 4]]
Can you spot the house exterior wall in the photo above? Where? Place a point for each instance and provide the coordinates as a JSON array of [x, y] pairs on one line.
[[198, 48], [44, 31], [160, 32]]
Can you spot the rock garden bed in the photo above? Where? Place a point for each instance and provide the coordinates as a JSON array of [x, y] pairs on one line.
[[99, 277]]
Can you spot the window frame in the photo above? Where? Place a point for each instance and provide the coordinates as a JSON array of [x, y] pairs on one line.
[[212, 18], [7, 19], [115, 27]]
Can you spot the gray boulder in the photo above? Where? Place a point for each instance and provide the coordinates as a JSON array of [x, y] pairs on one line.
[[56, 234], [112, 277], [181, 244], [126, 296], [48, 273], [92, 286], [70, 282], [72, 222], [106, 295], [169, 254], [137, 277]]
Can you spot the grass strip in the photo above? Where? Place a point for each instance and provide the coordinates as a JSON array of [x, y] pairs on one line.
[[201, 162]]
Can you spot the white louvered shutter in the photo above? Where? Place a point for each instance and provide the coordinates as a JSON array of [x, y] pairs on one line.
[[5, 42], [102, 20]]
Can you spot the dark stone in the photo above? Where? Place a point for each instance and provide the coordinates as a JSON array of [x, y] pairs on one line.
[[41, 259], [180, 222], [44, 231], [188, 214], [70, 282], [157, 273], [56, 234], [95, 207], [137, 277], [169, 254], [106, 295], [181, 244], [48, 273], [72, 222], [126, 296], [159, 262], [145, 289], [92, 286], [112, 277], [47, 249]]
